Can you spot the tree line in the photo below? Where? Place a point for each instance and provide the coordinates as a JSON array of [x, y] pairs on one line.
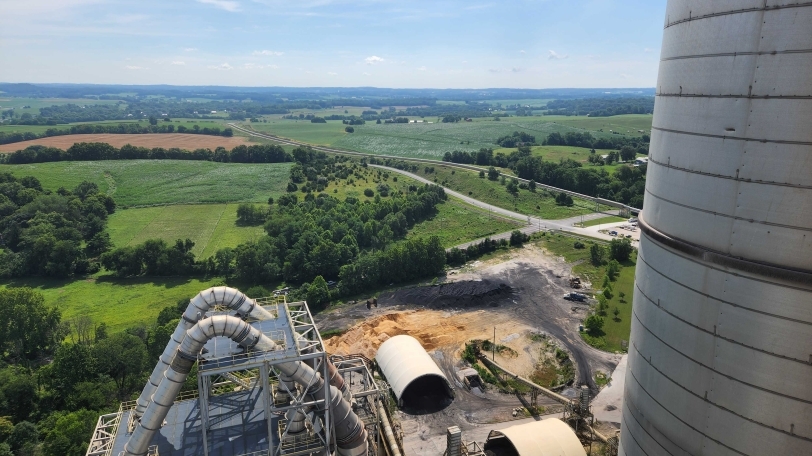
[[123, 128], [601, 107], [257, 153]]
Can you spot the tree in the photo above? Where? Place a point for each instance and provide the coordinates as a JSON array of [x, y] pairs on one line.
[[349, 129], [121, 356], [622, 296], [513, 187], [627, 153], [23, 438], [28, 328], [517, 238], [532, 185], [612, 270], [70, 433], [616, 312], [482, 174], [594, 325], [318, 294], [620, 249], [597, 254], [608, 293], [154, 121], [493, 173]]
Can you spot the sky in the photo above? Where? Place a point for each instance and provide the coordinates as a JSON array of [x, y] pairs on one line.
[[334, 43]]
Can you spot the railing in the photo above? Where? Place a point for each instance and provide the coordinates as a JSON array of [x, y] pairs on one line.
[[104, 435]]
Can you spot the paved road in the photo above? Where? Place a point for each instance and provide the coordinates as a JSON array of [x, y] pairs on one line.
[[534, 224]]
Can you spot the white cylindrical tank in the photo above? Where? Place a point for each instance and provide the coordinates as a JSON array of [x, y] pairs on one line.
[[720, 358]]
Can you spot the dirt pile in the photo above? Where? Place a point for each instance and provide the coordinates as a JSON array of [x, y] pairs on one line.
[[433, 329], [455, 294]]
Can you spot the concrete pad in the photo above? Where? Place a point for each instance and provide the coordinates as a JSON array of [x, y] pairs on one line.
[[611, 396]]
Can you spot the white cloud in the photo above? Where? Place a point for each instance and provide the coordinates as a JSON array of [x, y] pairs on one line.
[[516, 70], [366, 74], [178, 62], [373, 59], [133, 67], [556, 56], [522, 52], [190, 49], [224, 66], [227, 5], [647, 50], [266, 52], [423, 68], [330, 73], [256, 66]]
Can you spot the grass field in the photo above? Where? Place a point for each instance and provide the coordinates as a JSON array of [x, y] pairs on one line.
[[456, 223], [120, 303], [183, 141], [36, 103], [210, 226], [157, 182], [432, 141], [539, 204], [601, 221]]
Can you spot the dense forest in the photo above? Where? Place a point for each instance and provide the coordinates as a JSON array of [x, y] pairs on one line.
[[54, 234], [256, 153], [601, 107]]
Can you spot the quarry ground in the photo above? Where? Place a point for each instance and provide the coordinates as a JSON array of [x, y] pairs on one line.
[[520, 293]]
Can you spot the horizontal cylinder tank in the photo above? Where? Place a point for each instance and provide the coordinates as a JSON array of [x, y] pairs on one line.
[[720, 355]]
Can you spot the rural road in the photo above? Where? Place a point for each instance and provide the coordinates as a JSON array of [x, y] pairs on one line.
[[534, 224]]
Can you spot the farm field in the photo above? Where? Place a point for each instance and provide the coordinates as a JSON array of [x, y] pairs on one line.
[[322, 134], [538, 204], [39, 129], [211, 226], [165, 140], [456, 223], [36, 103], [627, 124], [159, 182]]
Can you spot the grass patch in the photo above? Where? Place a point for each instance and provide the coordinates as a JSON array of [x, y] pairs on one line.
[[210, 226], [157, 182], [617, 329], [539, 203], [120, 303], [456, 223], [601, 221], [323, 134]]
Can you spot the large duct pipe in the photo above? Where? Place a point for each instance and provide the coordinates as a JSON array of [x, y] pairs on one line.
[[197, 308], [392, 442], [349, 429]]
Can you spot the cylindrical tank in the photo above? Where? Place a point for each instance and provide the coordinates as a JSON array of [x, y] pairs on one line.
[[720, 359]]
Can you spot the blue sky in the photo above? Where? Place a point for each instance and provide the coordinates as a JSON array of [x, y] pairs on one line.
[[420, 44]]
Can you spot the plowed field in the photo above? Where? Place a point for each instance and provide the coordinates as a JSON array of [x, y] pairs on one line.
[[165, 140]]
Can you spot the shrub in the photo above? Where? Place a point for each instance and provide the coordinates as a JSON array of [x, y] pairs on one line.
[[349, 129], [594, 325], [369, 193], [579, 245]]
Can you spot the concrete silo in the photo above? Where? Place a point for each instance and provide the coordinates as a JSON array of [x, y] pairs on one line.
[[720, 357]]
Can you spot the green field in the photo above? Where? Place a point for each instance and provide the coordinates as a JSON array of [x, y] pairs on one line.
[[120, 303], [538, 204], [211, 226], [456, 223], [601, 221], [158, 182], [39, 129], [322, 134], [36, 103], [433, 140]]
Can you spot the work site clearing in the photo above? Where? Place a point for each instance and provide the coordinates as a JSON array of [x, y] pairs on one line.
[[520, 296], [165, 140]]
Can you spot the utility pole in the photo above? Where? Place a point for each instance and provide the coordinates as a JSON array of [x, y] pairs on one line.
[[493, 356]]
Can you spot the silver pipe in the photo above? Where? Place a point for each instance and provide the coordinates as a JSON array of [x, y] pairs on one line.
[[197, 308], [387, 431], [351, 437]]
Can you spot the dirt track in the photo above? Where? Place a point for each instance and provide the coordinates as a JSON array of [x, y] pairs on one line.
[[165, 140]]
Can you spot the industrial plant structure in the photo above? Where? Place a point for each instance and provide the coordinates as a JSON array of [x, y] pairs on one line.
[[720, 357], [550, 437], [264, 386]]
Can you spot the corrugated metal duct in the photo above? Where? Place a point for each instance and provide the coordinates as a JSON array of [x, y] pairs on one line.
[[410, 371], [720, 355], [550, 437]]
